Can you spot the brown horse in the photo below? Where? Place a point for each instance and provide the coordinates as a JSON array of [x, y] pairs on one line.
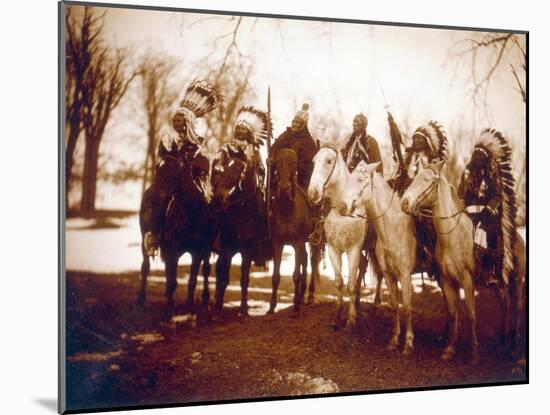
[[291, 223], [395, 250], [186, 226], [454, 253], [242, 225]]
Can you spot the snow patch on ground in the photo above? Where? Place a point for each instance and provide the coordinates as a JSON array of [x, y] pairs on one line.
[[94, 357], [303, 384]]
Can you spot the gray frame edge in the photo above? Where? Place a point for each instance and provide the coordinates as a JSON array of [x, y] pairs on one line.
[[62, 309]]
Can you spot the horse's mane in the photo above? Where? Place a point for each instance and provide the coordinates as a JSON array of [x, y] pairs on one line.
[[454, 194]]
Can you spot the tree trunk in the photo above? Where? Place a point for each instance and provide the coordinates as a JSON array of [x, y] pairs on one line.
[[89, 178], [69, 159]]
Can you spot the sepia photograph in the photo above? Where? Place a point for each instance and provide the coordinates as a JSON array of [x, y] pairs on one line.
[[267, 207]]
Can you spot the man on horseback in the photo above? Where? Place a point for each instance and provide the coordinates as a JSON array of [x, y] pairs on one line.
[[361, 146], [429, 145], [482, 189], [297, 138], [183, 148]]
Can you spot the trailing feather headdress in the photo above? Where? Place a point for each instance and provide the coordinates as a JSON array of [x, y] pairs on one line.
[[201, 98], [496, 147], [436, 137], [257, 122]]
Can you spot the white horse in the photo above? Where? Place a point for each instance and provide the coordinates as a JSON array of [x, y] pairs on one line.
[[344, 234], [366, 190]]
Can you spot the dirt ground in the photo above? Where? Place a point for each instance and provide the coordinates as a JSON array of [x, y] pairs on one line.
[[120, 354]]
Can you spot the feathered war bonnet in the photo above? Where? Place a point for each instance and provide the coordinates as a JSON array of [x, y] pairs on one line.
[[495, 146], [256, 121], [200, 98], [436, 137]]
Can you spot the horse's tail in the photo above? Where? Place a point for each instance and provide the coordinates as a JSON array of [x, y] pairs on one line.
[[374, 266]]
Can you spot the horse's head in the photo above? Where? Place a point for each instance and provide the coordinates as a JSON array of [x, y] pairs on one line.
[[358, 190], [286, 170], [166, 177], [422, 192], [323, 173], [200, 175], [226, 179]]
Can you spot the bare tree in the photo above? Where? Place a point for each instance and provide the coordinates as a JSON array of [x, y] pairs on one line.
[[231, 75], [497, 46], [82, 43], [105, 85], [157, 97]]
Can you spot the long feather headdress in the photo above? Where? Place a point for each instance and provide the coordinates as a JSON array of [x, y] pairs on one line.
[[256, 121], [497, 147], [201, 98], [435, 135]]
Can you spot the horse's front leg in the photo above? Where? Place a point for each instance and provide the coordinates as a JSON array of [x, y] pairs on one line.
[[503, 299], [245, 277], [205, 275], [145, 268], [406, 289], [298, 275], [194, 271], [391, 282], [336, 261], [354, 286], [469, 299], [223, 265], [315, 258], [451, 299], [276, 278], [171, 270]]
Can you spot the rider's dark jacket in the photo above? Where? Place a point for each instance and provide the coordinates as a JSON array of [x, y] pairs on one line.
[[305, 147], [481, 191]]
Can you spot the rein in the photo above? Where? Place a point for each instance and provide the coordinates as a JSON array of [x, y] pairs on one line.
[[333, 167]]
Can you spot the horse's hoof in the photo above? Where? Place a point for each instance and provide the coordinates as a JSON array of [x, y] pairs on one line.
[[243, 311], [167, 314], [270, 311], [377, 301], [335, 325], [310, 300], [407, 350], [448, 354], [351, 326], [392, 346], [140, 299], [474, 359]]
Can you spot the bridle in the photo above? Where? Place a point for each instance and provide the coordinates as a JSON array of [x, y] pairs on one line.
[[434, 185], [333, 166], [356, 198], [294, 180]]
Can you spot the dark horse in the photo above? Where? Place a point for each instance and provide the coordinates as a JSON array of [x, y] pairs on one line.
[[242, 223], [186, 224], [291, 223]]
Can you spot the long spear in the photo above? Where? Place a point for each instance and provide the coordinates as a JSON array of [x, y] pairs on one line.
[[269, 137]]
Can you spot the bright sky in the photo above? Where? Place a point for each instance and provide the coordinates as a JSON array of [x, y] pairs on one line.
[[340, 69]]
